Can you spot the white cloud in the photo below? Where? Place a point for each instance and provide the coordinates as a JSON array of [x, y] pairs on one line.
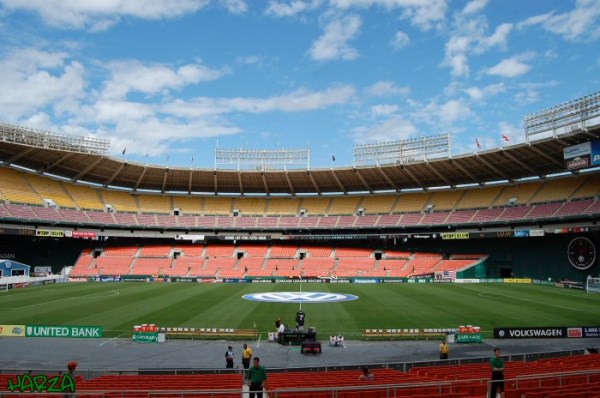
[[441, 115], [391, 129], [511, 67], [99, 14], [108, 111], [235, 6], [581, 23], [386, 88], [425, 14], [531, 91], [498, 38], [400, 40], [478, 94], [36, 79], [333, 44], [133, 76], [297, 101], [291, 8], [470, 36], [384, 109], [475, 6], [454, 110]]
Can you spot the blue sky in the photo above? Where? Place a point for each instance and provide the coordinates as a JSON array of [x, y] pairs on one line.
[[169, 79]]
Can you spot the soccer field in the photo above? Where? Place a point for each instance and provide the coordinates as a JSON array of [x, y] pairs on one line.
[[119, 306]]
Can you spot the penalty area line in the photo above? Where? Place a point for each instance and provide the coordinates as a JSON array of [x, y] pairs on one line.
[[114, 338]]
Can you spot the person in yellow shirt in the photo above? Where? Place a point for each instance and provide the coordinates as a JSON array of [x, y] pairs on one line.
[[444, 349], [246, 356]]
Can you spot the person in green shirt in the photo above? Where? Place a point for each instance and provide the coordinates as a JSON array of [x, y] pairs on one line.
[[257, 375], [497, 364]]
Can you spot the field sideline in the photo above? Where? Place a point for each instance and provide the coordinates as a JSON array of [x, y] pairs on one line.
[[119, 306]]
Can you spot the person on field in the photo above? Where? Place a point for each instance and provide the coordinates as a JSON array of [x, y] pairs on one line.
[[229, 357], [246, 356], [300, 315], [444, 349], [497, 364], [257, 376]]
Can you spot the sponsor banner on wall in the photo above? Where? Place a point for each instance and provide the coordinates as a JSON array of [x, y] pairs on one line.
[[12, 330], [596, 152], [50, 233], [469, 338], [365, 280], [552, 332], [80, 234], [517, 280], [145, 337], [64, 331], [455, 235]]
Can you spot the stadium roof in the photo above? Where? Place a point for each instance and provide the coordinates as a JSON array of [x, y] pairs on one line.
[[511, 163]]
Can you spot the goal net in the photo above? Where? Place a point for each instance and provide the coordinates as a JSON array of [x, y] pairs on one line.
[[592, 285]]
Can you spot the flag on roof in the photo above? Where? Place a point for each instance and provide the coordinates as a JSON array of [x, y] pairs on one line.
[[124, 150], [333, 158], [478, 144], [505, 138]]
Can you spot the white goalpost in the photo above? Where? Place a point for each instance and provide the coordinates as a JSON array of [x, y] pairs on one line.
[[592, 285]]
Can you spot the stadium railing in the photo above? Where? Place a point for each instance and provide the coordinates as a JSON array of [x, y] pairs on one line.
[[399, 333], [209, 333]]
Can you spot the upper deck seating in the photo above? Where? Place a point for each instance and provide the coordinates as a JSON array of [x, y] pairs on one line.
[[120, 201], [521, 194], [250, 206], [217, 206], [411, 202], [445, 200], [478, 198], [341, 205], [187, 205], [557, 190], [48, 188], [378, 204], [155, 204], [315, 206], [589, 189], [283, 206], [17, 189]]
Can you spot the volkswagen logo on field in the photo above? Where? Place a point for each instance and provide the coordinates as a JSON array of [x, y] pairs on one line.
[[299, 297]]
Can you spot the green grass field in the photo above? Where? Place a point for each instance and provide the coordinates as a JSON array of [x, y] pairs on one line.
[[119, 306]]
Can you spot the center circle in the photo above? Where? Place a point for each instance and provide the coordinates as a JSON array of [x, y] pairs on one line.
[[299, 297]]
